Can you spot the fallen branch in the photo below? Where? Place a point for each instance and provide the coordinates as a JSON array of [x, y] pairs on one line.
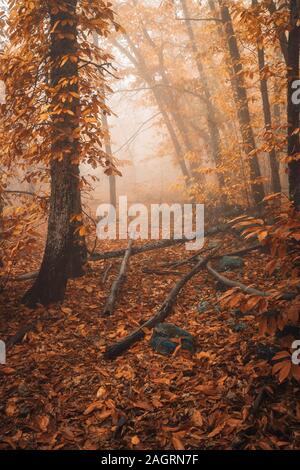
[[242, 251], [118, 348], [159, 272], [111, 301], [229, 283], [26, 277], [19, 336], [249, 290], [22, 332], [140, 249], [191, 259], [24, 193], [154, 246], [106, 273]]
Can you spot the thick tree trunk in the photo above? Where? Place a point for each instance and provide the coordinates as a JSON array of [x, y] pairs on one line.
[[293, 107], [51, 281], [241, 100], [274, 165]]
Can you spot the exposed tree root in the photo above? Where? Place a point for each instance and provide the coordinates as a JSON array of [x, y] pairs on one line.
[[124, 344], [112, 298]]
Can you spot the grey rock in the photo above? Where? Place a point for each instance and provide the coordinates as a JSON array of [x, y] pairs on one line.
[[231, 262]]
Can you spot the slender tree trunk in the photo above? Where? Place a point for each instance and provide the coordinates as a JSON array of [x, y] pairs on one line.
[[51, 282], [280, 31], [179, 153], [293, 106], [211, 118], [108, 150], [138, 61], [275, 177], [107, 141], [233, 84], [173, 107], [171, 104], [241, 100]]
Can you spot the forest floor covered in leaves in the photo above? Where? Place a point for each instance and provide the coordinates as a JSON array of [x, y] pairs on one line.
[[58, 392]]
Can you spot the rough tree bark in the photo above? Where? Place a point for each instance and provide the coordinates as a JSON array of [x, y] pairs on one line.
[[78, 255], [294, 107], [241, 100], [56, 266]]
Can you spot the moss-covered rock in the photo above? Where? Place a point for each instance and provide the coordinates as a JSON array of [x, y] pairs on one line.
[[163, 335], [231, 262]]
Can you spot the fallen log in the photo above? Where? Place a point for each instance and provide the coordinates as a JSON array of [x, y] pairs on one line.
[[249, 290], [135, 250], [124, 344], [154, 246], [193, 258], [112, 298]]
